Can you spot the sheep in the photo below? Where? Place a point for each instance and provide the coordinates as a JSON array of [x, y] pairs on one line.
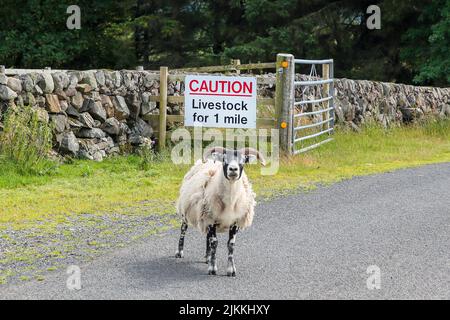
[[216, 196]]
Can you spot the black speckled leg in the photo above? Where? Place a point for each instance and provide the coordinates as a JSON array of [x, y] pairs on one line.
[[179, 253], [208, 248], [231, 268], [212, 266]]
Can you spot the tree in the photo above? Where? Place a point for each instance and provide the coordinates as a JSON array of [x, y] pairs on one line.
[[426, 46], [36, 35], [171, 32]]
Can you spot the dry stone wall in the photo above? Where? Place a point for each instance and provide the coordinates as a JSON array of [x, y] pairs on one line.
[[96, 112], [360, 101], [93, 113]]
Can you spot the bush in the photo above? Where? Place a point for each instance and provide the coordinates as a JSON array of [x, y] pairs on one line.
[[26, 141]]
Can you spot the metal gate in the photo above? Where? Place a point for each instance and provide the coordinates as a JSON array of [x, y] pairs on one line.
[[312, 116]]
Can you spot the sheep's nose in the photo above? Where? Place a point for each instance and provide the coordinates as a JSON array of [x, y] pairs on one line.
[[233, 169]]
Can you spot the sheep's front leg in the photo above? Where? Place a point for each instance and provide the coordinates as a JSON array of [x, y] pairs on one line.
[[179, 253], [208, 248], [212, 267], [231, 268]]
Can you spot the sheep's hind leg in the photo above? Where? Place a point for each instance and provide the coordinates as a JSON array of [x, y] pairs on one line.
[[179, 253], [212, 267], [231, 268]]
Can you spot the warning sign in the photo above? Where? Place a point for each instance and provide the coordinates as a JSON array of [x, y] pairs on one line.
[[220, 101]]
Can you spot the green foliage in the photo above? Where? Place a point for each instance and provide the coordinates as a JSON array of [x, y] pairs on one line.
[[427, 45], [25, 143], [33, 34]]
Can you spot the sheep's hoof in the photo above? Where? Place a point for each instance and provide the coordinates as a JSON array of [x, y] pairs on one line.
[[179, 254], [212, 270], [231, 271]]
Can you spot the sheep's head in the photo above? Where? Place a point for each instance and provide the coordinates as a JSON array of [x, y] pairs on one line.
[[233, 160]]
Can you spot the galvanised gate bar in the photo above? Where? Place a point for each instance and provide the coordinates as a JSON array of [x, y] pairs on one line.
[[321, 114]]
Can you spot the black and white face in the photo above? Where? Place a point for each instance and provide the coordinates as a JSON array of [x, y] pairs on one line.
[[233, 163], [233, 160]]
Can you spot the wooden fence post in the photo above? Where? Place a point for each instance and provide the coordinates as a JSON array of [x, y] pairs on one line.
[[236, 62], [163, 77], [284, 99], [326, 93]]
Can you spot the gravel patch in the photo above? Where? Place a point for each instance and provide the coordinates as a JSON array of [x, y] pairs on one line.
[[31, 253]]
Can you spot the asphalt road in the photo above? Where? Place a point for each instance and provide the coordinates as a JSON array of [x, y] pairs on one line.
[[306, 246]]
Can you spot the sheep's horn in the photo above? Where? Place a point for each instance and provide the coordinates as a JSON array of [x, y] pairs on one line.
[[259, 156], [212, 150]]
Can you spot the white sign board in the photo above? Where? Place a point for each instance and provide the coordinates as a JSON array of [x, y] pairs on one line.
[[220, 101]]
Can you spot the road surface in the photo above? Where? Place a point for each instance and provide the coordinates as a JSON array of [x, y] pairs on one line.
[[315, 245]]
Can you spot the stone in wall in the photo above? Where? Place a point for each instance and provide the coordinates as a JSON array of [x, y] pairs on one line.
[[6, 93], [69, 144], [111, 126], [121, 110]]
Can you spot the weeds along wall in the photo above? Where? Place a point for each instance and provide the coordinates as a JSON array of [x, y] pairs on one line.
[[99, 112]]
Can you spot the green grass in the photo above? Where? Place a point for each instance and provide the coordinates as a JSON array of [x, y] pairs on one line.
[[86, 187], [130, 184]]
